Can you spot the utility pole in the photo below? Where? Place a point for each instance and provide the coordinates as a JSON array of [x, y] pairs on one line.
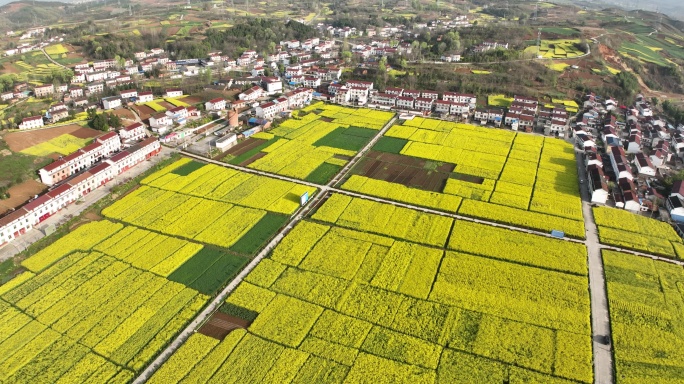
[[660, 21], [539, 43]]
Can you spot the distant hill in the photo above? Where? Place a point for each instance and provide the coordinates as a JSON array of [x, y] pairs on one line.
[[5, 2], [672, 8]]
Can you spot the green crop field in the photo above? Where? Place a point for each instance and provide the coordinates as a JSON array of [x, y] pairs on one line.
[[561, 31], [555, 49], [499, 101]]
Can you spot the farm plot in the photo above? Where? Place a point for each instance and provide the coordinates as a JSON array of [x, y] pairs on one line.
[[144, 111], [653, 49], [511, 178], [643, 53], [37, 69], [99, 303], [556, 49], [646, 318], [19, 141], [87, 316], [349, 296], [315, 144], [196, 201], [57, 49], [63, 145], [499, 101], [210, 204], [627, 230]]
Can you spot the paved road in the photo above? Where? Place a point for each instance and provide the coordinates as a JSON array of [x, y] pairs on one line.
[[600, 319], [22, 242]]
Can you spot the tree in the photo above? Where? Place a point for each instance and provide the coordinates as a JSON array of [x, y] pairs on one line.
[[654, 101], [628, 82], [100, 122], [114, 121]]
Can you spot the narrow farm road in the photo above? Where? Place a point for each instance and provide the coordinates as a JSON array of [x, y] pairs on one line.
[[50, 58], [600, 319]]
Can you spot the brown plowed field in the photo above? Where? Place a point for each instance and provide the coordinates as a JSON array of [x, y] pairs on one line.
[[245, 146], [192, 100], [253, 159], [124, 114], [22, 140], [20, 194], [409, 171], [144, 111], [220, 325], [166, 104]]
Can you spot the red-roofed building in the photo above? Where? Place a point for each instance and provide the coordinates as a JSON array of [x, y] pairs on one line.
[[133, 132], [299, 97], [128, 158], [405, 102], [267, 110], [31, 122], [251, 94], [217, 104], [14, 224], [173, 92], [85, 157], [423, 104], [110, 143], [19, 221]]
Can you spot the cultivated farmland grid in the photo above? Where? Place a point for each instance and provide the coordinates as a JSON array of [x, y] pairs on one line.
[[603, 360], [222, 236]]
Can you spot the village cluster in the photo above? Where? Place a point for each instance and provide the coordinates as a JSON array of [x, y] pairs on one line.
[[638, 149], [72, 177]]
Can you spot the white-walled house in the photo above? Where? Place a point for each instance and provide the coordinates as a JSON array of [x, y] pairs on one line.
[[251, 94], [111, 102], [597, 185], [173, 92], [267, 110], [31, 122], [217, 104], [644, 166], [144, 97], [128, 94], [133, 132], [160, 120], [39, 209]]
